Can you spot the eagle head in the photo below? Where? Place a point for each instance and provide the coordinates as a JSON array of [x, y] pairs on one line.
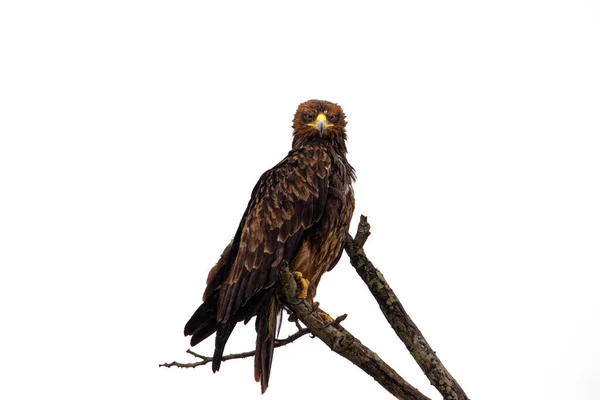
[[319, 118]]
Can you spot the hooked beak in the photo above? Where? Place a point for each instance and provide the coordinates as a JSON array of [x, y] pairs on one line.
[[321, 127], [321, 124]]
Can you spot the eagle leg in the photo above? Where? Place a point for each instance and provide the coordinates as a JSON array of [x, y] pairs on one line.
[[303, 285]]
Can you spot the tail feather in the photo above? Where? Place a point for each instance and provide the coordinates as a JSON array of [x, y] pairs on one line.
[[223, 332], [203, 331], [266, 327], [203, 322]]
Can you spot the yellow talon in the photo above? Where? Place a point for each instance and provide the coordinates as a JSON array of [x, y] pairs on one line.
[[303, 285], [326, 317]]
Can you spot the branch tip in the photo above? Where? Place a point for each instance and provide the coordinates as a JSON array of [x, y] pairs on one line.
[[362, 232]]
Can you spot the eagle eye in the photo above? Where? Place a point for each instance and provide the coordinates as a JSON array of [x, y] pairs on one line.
[[334, 118], [307, 118]]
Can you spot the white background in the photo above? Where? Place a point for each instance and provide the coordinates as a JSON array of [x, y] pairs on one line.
[[132, 133]]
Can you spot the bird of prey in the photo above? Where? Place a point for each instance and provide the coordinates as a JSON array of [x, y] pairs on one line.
[[298, 215]]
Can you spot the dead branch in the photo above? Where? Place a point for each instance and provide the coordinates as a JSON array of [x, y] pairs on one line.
[[345, 344], [400, 321], [205, 359]]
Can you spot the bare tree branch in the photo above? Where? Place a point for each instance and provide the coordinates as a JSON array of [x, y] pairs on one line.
[[400, 321], [345, 344], [205, 359]]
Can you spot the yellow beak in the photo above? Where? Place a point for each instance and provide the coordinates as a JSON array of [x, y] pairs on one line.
[[321, 123]]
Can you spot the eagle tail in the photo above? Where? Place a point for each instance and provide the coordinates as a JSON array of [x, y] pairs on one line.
[[266, 327], [203, 323]]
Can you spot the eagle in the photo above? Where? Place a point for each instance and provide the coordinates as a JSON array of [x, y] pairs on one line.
[[298, 215]]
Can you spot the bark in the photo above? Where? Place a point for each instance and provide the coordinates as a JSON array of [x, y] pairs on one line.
[[345, 344], [400, 321]]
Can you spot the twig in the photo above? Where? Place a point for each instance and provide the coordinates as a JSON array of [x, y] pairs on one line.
[[205, 359], [400, 321], [346, 345]]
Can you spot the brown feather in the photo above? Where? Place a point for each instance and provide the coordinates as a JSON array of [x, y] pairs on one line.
[[269, 222], [266, 326]]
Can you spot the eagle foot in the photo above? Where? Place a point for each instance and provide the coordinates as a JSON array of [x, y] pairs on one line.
[[326, 318], [300, 301], [315, 307], [302, 285]]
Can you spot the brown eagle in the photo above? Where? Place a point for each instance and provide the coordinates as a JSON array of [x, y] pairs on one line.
[[298, 214]]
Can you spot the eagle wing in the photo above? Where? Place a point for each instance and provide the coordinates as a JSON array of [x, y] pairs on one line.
[[287, 200]]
